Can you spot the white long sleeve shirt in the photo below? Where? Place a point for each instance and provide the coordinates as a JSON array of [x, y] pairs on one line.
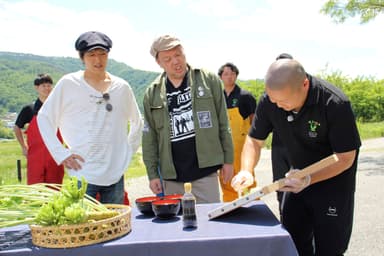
[[89, 130]]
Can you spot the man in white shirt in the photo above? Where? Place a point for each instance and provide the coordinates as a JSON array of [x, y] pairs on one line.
[[93, 109]]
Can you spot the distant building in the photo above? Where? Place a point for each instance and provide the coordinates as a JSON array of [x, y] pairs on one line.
[[9, 119]]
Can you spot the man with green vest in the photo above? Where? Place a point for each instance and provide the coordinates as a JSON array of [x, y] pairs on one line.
[[186, 136]]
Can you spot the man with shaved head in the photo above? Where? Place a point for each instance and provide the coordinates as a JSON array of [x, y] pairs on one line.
[[313, 120], [279, 155]]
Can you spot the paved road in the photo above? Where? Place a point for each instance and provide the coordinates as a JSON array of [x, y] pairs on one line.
[[368, 231]]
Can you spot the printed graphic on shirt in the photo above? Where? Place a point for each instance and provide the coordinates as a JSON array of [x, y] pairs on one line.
[[235, 102], [181, 115], [204, 119], [313, 125]]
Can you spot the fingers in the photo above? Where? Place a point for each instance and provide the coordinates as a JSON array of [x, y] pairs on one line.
[[242, 180], [294, 182], [296, 185], [226, 178], [226, 173], [155, 186], [292, 185], [292, 171], [78, 157], [73, 162], [237, 183]]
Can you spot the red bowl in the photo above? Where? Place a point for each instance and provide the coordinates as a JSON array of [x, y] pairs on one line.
[[144, 204], [166, 208], [175, 197]]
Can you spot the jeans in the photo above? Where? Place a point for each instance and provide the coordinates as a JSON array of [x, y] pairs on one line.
[[112, 194]]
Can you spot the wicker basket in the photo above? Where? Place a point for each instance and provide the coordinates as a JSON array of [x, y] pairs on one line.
[[68, 236]]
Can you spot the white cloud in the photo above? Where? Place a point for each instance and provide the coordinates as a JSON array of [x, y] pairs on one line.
[[44, 29], [250, 34], [298, 28]]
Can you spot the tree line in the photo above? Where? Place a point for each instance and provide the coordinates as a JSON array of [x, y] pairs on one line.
[[18, 71], [365, 93]]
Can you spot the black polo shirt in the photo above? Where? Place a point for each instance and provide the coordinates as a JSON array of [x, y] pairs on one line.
[[324, 125], [27, 112], [242, 99]]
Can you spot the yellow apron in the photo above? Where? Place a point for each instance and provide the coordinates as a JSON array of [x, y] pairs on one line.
[[239, 128]]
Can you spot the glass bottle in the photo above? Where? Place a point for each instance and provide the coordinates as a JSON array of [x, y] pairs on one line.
[[189, 207]]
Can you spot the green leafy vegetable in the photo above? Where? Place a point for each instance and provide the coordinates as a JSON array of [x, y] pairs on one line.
[[49, 204]]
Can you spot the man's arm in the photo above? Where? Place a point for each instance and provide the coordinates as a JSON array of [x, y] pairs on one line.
[[251, 153], [48, 120], [20, 138], [251, 116], [149, 140], [345, 161], [297, 185], [136, 122], [249, 158]]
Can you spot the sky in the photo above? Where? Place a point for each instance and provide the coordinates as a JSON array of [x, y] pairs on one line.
[[248, 33]]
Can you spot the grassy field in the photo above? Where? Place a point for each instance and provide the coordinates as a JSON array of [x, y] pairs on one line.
[[10, 152]]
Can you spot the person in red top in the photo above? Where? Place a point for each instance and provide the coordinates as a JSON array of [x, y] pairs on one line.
[[40, 165]]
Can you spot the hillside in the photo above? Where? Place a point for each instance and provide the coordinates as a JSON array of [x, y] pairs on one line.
[[18, 70]]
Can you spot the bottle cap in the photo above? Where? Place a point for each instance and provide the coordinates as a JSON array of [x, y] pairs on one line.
[[188, 187]]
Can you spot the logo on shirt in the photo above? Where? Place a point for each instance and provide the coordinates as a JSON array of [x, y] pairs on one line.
[[313, 125], [332, 211], [184, 98], [234, 102]]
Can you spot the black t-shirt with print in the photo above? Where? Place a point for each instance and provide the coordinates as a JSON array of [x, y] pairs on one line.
[[183, 133]]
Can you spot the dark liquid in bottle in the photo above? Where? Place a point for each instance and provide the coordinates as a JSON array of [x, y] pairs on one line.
[[189, 214]]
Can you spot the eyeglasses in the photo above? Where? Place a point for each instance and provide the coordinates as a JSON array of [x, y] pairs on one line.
[[108, 106]]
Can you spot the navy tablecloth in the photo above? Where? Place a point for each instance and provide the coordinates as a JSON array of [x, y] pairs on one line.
[[249, 230]]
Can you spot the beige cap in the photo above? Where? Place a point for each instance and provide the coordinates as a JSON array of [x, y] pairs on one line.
[[163, 43]]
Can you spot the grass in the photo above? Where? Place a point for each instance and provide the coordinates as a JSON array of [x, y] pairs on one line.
[[10, 151], [371, 130]]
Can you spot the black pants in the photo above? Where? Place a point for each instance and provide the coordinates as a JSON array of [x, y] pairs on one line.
[[320, 223]]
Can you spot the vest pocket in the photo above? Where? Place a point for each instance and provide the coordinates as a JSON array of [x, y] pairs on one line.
[[158, 116]]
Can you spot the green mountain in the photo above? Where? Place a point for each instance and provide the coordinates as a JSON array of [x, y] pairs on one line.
[[18, 70]]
